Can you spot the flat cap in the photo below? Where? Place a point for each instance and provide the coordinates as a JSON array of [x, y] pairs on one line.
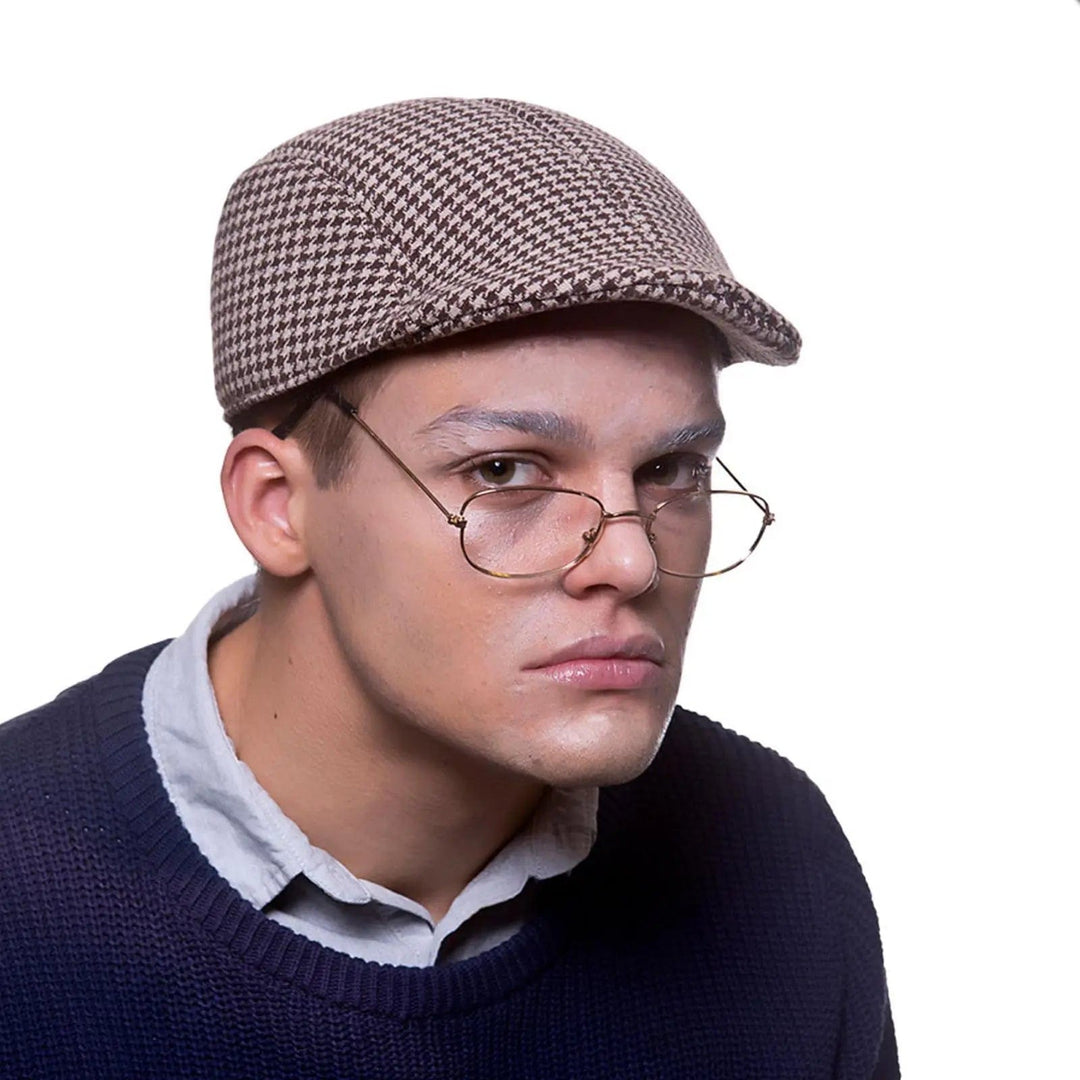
[[413, 221]]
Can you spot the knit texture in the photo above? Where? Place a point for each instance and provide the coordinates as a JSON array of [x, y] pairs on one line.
[[720, 928], [414, 221]]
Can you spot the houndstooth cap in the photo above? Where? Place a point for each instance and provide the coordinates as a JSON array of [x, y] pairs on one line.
[[417, 220]]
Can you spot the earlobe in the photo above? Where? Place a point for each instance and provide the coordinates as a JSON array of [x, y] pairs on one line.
[[262, 481]]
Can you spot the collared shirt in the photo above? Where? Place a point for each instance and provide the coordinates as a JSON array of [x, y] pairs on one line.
[[267, 858]]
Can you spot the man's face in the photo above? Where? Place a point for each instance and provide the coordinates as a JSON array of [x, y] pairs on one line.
[[500, 670]]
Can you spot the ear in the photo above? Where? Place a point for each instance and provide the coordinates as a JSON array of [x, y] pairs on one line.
[[263, 480]]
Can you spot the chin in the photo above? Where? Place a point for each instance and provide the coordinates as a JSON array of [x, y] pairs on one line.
[[600, 750]]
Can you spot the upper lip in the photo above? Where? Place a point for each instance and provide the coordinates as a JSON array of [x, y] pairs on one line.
[[602, 646]]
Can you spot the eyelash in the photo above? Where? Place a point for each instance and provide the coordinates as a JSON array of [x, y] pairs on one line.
[[471, 470], [699, 467]]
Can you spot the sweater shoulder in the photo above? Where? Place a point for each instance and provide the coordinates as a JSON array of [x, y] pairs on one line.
[[747, 803], [735, 772], [713, 796], [721, 744], [758, 797], [53, 738]]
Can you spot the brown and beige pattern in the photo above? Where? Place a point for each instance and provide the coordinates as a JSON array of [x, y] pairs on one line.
[[413, 221]]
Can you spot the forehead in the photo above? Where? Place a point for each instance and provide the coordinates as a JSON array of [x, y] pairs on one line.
[[584, 361]]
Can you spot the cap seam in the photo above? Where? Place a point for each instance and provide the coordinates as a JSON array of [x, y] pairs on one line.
[[614, 189], [334, 172]]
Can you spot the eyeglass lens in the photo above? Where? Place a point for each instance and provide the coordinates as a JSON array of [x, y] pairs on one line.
[[531, 530]]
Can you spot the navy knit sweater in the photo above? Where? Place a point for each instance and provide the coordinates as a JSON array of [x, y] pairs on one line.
[[721, 928]]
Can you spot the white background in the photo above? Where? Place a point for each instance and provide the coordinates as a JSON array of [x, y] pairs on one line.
[[900, 180]]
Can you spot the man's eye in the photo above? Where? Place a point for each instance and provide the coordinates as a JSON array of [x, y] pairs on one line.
[[503, 471], [676, 471]]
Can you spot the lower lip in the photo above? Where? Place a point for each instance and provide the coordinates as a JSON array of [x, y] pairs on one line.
[[605, 673]]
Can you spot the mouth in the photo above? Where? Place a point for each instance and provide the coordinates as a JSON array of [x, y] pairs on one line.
[[605, 663]]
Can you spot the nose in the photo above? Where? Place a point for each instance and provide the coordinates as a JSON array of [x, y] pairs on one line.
[[621, 557]]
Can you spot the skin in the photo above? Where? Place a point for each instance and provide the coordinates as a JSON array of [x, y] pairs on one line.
[[386, 693]]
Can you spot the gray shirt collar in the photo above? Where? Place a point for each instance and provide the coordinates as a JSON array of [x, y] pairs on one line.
[[257, 848]]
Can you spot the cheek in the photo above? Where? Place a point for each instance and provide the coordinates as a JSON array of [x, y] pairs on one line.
[[440, 646], [415, 619], [684, 602], [671, 610]]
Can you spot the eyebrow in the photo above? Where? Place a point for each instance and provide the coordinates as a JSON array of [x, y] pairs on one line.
[[710, 431], [555, 427], [546, 425]]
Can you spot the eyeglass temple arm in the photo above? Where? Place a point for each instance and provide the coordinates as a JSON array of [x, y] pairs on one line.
[[351, 411], [742, 486], [285, 428]]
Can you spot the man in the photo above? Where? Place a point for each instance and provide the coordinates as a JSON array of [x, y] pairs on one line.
[[412, 801]]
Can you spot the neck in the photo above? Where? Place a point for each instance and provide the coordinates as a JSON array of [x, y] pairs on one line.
[[386, 798]]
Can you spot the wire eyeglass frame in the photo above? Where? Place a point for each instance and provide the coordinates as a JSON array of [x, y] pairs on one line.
[[459, 521]]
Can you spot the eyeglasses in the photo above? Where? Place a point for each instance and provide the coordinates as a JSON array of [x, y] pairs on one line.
[[528, 531]]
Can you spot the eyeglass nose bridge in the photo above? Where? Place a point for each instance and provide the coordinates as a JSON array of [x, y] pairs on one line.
[[592, 536]]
